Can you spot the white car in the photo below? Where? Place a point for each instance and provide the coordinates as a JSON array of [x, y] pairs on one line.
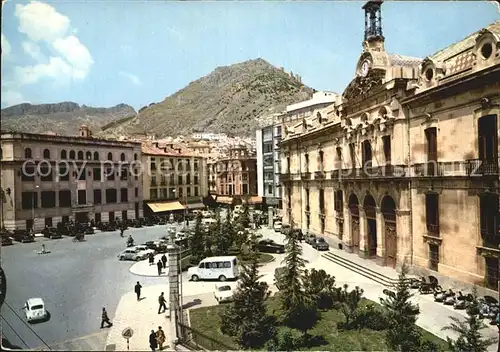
[[35, 309], [277, 226], [223, 293], [132, 254], [144, 248]]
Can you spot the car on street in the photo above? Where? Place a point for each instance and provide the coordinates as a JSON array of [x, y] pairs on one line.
[[309, 238], [35, 310], [132, 254], [223, 293], [277, 226], [215, 268], [320, 244], [23, 236], [144, 248], [285, 228], [6, 240], [269, 246], [298, 234], [51, 232]]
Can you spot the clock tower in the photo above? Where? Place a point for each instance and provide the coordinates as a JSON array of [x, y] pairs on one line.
[[374, 39]]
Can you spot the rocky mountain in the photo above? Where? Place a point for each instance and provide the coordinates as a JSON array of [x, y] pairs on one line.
[[229, 100], [62, 118]]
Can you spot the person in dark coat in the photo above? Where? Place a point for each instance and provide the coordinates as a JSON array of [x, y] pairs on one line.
[[105, 319], [138, 290], [160, 266], [162, 302], [152, 341], [164, 261], [151, 258]]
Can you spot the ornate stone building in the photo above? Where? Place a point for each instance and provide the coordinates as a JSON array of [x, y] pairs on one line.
[[405, 164]]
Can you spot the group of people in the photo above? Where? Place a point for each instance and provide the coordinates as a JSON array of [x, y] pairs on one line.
[[157, 339], [161, 264]]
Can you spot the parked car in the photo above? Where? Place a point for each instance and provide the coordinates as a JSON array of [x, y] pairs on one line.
[[285, 228], [6, 240], [320, 244], [144, 248], [298, 233], [277, 226], [23, 236], [51, 232], [309, 238], [269, 246], [223, 293], [35, 310], [89, 230], [132, 254]]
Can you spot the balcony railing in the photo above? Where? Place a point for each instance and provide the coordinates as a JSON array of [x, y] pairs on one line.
[[285, 177], [306, 176], [319, 175], [83, 205], [478, 167], [490, 240], [433, 230], [371, 172]]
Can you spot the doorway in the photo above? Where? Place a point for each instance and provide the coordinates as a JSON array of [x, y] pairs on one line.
[[81, 217], [371, 225]]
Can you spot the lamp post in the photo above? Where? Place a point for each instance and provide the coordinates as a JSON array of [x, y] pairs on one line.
[[33, 208]]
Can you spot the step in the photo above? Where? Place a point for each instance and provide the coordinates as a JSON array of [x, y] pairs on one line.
[[361, 270]]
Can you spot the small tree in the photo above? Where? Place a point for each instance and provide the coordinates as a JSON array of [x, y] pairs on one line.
[[402, 333], [469, 331], [244, 218], [196, 243], [208, 241], [228, 227], [350, 303], [246, 318], [321, 286], [222, 239], [298, 309]]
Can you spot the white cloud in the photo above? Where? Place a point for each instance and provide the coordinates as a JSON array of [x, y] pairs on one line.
[[6, 49], [44, 26], [33, 50], [133, 78], [10, 98], [41, 21]]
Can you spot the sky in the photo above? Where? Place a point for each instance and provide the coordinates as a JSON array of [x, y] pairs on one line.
[[103, 53]]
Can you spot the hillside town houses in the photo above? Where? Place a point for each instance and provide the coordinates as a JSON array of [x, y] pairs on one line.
[[402, 166]]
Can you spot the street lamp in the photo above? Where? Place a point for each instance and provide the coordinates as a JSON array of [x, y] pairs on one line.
[[33, 208]]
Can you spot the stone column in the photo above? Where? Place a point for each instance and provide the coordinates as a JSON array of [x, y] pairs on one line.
[[270, 217], [364, 251], [175, 290], [380, 237], [347, 236], [404, 244]]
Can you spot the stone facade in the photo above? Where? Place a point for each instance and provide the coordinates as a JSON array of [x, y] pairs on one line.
[[404, 166], [67, 178], [236, 174]]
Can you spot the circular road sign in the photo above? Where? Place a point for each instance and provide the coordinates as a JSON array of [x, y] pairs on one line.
[[127, 333]]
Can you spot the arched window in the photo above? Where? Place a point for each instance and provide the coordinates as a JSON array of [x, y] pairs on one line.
[[122, 157], [88, 156], [27, 153], [110, 156], [46, 154], [96, 155], [80, 155], [72, 154], [63, 154]]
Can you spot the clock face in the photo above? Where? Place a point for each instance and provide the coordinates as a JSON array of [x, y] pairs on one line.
[[364, 68]]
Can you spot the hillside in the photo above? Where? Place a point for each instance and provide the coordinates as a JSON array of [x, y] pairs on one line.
[[62, 118], [229, 100]]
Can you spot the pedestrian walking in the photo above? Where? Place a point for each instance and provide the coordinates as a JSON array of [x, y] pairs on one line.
[[164, 261], [152, 341], [160, 337], [159, 265], [151, 258], [162, 301], [138, 290], [105, 319]]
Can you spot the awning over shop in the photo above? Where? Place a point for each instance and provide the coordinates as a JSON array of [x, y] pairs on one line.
[[224, 200], [165, 206], [196, 206], [255, 200]]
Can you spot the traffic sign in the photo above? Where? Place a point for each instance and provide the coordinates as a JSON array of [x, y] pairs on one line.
[[127, 333]]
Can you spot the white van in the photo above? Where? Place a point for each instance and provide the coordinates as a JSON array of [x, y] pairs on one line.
[[215, 268]]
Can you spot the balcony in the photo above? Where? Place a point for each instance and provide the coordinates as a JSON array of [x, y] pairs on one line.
[[305, 176], [373, 172], [287, 177], [478, 168], [82, 206], [319, 175], [432, 235]]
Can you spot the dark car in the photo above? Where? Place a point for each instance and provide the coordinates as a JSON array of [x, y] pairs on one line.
[[51, 232], [89, 230], [309, 238], [269, 246], [298, 234], [23, 236], [6, 240], [320, 244]]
